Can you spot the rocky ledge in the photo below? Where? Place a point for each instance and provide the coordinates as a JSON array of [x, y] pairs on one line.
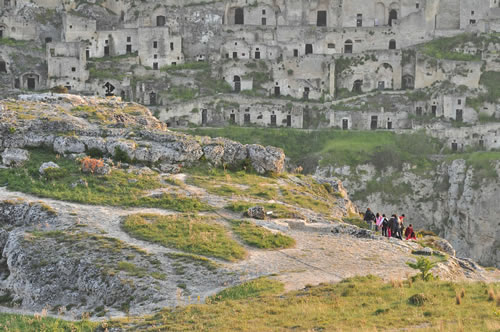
[[75, 125]]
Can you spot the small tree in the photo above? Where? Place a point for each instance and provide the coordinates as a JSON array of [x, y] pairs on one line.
[[424, 265]]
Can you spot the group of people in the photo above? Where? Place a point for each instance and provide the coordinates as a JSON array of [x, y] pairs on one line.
[[390, 227]]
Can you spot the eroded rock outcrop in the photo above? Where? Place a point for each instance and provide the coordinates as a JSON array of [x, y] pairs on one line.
[[142, 138]]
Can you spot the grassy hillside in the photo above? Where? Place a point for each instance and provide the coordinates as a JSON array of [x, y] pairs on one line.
[[356, 304]]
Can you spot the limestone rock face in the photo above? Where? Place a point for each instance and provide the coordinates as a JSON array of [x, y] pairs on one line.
[[14, 157], [45, 166], [68, 144], [266, 159], [214, 154]]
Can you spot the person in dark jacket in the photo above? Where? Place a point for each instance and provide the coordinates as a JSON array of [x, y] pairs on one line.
[[369, 217]]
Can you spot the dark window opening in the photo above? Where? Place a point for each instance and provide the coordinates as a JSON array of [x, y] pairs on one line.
[[321, 18], [472, 22], [155, 44], [305, 95], [246, 119], [171, 46], [239, 16], [129, 49], [434, 110], [257, 55], [277, 91], [393, 15], [454, 146], [273, 120], [309, 49], [264, 21], [357, 86], [129, 39], [204, 117], [359, 20], [152, 99], [73, 69], [237, 83], [48, 40], [408, 82], [348, 46], [106, 50], [331, 45], [345, 124], [87, 54], [381, 85], [459, 115], [235, 55], [389, 124], [232, 118], [160, 21], [392, 44], [295, 53], [418, 111], [3, 67], [155, 65], [17, 83], [288, 120]]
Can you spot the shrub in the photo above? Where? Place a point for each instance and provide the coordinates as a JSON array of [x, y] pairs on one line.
[[53, 173], [121, 155], [91, 165], [95, 153], [418, 299], [424, 265], [59, 89]]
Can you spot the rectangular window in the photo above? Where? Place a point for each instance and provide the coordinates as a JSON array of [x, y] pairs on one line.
[[295, 53], [263, 12], [73, 69], [321, 18], [155, 65], [472, 21], [264, 21], [155, 44], [359, 20], [171, 46], [129, 39], [331, 45]]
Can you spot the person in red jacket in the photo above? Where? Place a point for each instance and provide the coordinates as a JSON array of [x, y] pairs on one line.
[[409, 233]]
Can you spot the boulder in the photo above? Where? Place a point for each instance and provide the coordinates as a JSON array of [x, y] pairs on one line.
[[68, 144], [46, 166], [266, 159], [170, 168], [15, 157], [127, 148], [213, 154], [444, 246], [257, 212], [425, 251]]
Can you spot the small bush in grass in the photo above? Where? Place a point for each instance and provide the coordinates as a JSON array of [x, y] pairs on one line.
[[418, 299], [59, 89], [91, 165], [121, 155], [53, 173], [424, 265]]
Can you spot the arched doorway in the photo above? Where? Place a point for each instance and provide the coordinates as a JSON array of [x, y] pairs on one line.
[[3, 66], [392, 44], [357, 87], [152, 99], [237, 83], [3, 31], [348, 46], [393, 15], [239, 16]]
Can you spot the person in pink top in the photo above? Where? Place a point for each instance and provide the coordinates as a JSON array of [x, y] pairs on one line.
[[378, 221]]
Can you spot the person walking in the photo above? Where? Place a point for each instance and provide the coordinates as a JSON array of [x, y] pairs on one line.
[[378, 222], [385, 224], [369, 218]]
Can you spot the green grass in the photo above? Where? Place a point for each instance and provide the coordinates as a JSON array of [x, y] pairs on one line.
[[257, 236], [189, 233], [250, 289], [356, 221], [131, 269], [357, 304], [118, 188], [279, 211], [443, 48], [336, 147], [21, 323]]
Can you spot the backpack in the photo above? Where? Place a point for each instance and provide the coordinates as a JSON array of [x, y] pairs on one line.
[[384, 222]]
